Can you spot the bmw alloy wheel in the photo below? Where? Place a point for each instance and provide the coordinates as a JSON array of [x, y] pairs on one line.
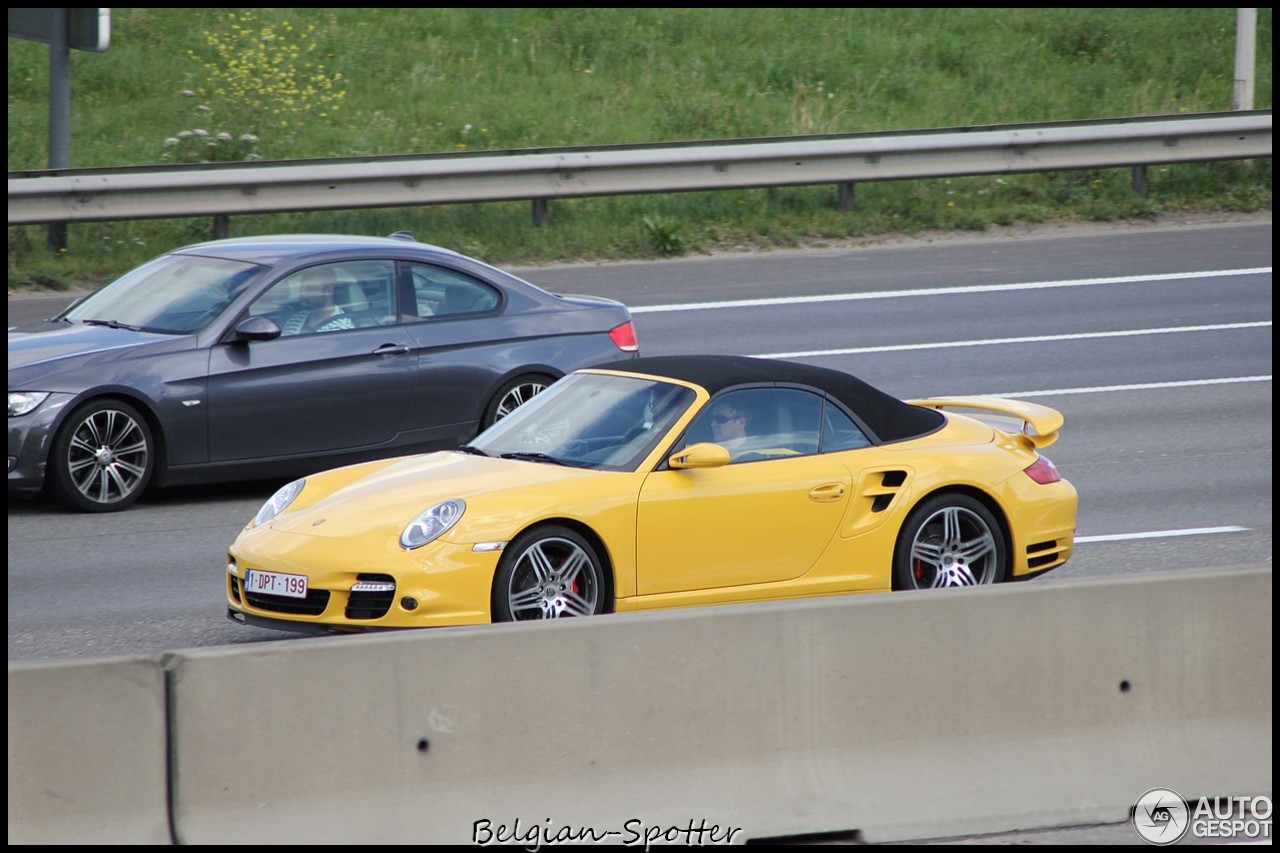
[[103, 458], [513, 395]]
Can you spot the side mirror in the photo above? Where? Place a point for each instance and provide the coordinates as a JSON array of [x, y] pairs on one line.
[[702, 455], [257, 329]]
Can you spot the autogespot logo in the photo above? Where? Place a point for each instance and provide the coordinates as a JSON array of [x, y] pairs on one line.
[[1161, 816]]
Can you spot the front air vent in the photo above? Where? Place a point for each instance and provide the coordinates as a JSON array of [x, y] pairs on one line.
[[313, 605], [1043, 554], [371, 596]]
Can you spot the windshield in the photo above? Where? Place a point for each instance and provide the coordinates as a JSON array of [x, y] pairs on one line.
[[173, 294], [589, 420]]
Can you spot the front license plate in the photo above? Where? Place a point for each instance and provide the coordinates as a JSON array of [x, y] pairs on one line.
[[275, 583]]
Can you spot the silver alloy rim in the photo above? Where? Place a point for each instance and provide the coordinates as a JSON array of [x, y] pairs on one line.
[[107, 457], [553, 579], [517, 397], [954, 547]]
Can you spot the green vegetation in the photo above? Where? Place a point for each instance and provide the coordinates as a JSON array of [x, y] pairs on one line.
[[192, 85]]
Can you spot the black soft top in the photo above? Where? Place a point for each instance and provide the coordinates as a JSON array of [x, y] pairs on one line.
[[888, 417]]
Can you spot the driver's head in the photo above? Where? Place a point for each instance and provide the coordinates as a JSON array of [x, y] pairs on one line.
[[727, 422], [317, 287]]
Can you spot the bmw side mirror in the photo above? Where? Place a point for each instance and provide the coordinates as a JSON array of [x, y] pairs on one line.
[[257, 329], [701, 455]]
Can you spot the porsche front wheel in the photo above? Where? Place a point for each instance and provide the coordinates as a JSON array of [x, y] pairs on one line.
[[103, 458], [949, 541], [549, 573]]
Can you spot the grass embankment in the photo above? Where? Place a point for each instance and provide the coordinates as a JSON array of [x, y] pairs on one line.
[[283, 84]]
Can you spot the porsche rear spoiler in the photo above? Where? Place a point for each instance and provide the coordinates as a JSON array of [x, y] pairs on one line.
[[1040, 425]]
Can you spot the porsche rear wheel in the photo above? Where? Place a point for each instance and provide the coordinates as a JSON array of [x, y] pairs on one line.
[[549, 572], [103, 457], [949, 541], [512, 395]]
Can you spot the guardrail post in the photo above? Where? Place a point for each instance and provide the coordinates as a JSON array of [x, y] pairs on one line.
[[56, 236], [541, 211], [220, 223], [844, 197], [1140, 180]]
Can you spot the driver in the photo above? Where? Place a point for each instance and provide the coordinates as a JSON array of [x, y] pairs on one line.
[[728, 426], [319, 312]]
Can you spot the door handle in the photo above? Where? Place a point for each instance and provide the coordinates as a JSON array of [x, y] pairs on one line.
[[391, 349], [827, 492]]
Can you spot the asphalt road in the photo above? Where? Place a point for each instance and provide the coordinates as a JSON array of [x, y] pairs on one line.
[[1154, 342]]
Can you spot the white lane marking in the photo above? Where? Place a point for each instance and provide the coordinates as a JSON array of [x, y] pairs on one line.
[[1030, 339], [849, 297], [1160, 534], [942, 291], [1141, 386]]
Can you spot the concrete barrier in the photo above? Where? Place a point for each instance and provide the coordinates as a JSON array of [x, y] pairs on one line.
[[901, 716], [88, 760]]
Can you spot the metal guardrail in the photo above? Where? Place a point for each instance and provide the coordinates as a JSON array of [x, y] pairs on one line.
[[66, 196]]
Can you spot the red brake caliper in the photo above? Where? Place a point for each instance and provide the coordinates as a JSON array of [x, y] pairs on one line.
[[573, 585]]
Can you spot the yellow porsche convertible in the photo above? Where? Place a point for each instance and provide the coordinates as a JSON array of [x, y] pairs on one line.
[[665, 482]]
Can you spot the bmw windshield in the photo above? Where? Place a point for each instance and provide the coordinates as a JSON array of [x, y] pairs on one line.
[[589, 420], [173, 294]]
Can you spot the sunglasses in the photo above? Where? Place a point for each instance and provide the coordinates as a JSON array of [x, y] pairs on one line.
[[719, 419]]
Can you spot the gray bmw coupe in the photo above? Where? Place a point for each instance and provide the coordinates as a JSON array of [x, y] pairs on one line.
[[276, 356]]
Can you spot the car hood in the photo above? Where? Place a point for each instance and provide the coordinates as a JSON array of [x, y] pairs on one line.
[[45, 349], [388, 497]]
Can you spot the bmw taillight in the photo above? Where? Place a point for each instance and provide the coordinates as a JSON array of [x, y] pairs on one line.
[[624, 337], [1043, 471]]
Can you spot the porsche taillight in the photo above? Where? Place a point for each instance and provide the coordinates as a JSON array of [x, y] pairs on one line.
[[1043, 471], [624, 337]]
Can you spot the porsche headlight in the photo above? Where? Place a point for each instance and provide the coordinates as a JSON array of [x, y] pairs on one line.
[[429, 524], [278, 502], [22, 402]]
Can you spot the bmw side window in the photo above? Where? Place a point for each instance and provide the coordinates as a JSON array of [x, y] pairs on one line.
[[279, 301], [439, 292], [330, 298], [369, 297], [839, 432], [306, 301]]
